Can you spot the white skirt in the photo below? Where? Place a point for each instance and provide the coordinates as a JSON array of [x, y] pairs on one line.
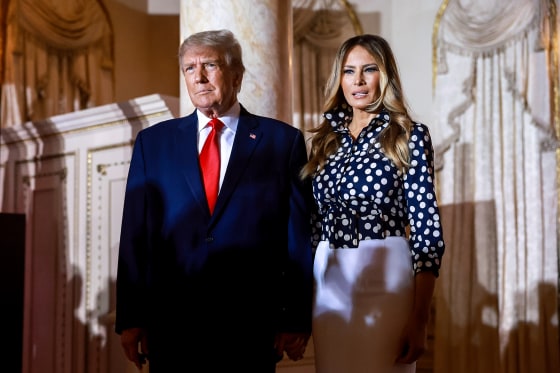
[[363, 298]]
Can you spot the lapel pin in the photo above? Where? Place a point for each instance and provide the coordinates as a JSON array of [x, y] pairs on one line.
[[253, 136]]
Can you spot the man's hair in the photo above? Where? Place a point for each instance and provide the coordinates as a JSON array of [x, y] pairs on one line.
[[221, 40]]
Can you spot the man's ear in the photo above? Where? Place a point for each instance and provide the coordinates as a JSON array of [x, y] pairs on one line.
[[237, 81]]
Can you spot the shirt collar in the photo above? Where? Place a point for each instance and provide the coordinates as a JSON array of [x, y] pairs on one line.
[[340, 116], [229, 118]]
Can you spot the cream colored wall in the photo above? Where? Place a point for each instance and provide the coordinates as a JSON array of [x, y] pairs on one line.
[[146, 48], [146, 63], [145, 52], [407, 25]]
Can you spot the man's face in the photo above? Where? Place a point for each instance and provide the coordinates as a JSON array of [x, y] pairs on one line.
[[212, 86]]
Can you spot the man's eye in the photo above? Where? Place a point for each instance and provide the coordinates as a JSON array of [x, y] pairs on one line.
[[210, 66], [188, 69]]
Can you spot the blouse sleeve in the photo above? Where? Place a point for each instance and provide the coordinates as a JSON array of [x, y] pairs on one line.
[[426, 236]]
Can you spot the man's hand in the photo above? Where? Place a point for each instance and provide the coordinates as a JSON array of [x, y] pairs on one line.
[[292, 343], [135, 345]]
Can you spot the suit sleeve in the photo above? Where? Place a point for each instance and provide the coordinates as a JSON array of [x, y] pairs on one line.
[[298, 270], [132, 258]]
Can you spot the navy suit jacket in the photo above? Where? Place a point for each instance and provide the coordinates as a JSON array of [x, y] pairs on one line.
[[236, 276]]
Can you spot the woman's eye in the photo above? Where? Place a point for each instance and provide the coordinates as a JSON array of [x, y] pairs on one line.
[[347, 71]]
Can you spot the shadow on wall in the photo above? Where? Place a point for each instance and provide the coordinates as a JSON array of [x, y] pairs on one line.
[[481, 325], [102, 339]]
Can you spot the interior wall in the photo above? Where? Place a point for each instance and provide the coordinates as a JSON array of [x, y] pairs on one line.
[[408, 26], [146, 48], [145, 52]]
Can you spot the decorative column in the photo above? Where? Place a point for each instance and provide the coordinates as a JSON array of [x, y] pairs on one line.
[[264, 30]]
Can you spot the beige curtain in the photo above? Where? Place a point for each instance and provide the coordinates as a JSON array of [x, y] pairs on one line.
[[497, 298], [319, 28], [58, 58]]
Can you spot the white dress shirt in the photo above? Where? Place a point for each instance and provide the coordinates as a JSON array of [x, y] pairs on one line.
[[230, 119]]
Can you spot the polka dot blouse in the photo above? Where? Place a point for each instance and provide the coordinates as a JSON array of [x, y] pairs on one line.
[[361, 195]]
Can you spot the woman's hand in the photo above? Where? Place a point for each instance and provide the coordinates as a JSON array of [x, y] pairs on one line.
[[413, 342]]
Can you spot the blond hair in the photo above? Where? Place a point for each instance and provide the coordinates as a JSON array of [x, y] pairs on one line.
[[394, 138]]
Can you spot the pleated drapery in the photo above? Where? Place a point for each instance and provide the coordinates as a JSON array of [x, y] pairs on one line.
[[319, 29], [58, 58], [497, 298]]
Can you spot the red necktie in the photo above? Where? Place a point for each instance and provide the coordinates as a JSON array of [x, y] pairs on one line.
[[210, 163]]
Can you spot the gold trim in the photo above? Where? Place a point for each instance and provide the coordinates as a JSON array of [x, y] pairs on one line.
[[553, 65], [89, 177], [353, 17], [102, 170], [435, 33], [26, 178]]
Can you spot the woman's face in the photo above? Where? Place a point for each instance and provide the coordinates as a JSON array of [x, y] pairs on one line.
[[360, 78]]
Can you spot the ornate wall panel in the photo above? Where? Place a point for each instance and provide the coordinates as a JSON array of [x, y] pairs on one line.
[[67, 174]]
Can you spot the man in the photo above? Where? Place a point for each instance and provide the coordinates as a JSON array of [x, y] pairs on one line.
[[210, 289]]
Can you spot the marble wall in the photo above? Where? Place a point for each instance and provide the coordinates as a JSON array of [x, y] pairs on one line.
[[264, 30]]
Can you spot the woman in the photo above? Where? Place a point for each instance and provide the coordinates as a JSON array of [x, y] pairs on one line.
[[380, 241]]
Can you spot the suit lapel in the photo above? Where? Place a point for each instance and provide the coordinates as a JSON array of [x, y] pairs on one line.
[[247, 137], [186, 152]]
